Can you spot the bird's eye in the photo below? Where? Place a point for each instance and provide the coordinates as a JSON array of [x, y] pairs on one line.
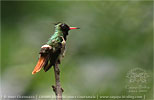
[[63, 25]]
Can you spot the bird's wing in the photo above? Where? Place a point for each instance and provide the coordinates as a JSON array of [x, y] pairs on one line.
[[43, 59], [54, 58]]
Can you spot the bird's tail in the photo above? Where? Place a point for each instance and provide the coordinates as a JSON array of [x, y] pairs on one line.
[[40, 64]]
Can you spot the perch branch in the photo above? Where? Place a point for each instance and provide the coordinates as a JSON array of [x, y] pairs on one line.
[[57, 88]]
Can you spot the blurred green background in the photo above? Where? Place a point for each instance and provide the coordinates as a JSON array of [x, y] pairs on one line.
[[115, 37]]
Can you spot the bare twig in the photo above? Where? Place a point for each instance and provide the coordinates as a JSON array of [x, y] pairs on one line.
[[57, 88]]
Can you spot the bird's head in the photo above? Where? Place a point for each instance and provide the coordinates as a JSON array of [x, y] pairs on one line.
[[64, 28]]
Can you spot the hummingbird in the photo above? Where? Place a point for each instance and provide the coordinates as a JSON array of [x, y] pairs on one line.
[[53, 51]]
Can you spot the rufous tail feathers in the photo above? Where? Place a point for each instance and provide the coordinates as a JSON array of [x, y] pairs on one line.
[[42, 61]]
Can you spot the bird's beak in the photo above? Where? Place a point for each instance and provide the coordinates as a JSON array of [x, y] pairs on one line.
[[74, 28]]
